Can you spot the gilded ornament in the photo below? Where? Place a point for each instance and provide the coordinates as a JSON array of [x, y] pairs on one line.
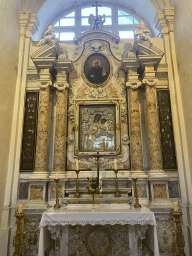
[[76, 127], [76, 151], [118, 126], [118, 150], [79, 103], [114, 102]]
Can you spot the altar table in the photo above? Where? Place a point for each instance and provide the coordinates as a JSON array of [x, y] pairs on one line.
[[56, 220]]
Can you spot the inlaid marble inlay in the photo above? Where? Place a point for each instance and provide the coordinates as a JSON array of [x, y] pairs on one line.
[[159, 191], [36, 192]]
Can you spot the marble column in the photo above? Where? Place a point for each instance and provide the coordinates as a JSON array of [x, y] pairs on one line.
[[154, 142], [135, 122], [41, 158], [61, 124]]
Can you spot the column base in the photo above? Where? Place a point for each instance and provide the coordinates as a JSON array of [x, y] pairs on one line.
[[139, 174], [157, 174], [39, 175], [59, 175]]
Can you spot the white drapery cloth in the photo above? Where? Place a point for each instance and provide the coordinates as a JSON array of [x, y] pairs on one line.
[[79, 215]]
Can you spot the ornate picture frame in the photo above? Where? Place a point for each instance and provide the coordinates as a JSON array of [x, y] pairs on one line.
[[97, 127], [96, 70]]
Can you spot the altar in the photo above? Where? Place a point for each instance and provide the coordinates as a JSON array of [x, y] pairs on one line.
[[106, 230]]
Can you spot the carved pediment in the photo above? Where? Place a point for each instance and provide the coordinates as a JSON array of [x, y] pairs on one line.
[[142, 47], [147, 53], [48, 50], [46, 54]]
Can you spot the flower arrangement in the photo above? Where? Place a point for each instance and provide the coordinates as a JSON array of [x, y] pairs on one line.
[[93, 185]]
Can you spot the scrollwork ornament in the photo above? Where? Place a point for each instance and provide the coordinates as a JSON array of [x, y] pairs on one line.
[[61, 86], [44, 84], [150, 82], [133, 85]]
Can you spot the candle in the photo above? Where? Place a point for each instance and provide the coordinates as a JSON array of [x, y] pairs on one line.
[[77, 164], [175, 206], [20, 208], [134, 176], [57, 176], [115, 164]]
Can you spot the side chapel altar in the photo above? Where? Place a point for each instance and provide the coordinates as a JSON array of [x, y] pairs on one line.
[[96, 121], [104, 225]]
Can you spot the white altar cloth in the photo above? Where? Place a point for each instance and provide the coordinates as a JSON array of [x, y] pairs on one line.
[[83, 215]]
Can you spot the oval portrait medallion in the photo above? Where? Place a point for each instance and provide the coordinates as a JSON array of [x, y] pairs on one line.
[[97, 69]]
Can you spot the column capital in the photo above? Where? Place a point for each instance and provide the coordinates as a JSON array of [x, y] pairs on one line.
[[128, 64], [63, 66], [160, 21], [24, 20], [170, 16], [32, 25], [149, 60], [44, 79], [133, 84], [150, 82], [60, 86], [149, 76]]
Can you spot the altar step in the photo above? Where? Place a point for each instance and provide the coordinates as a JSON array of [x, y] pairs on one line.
[[98, 200]]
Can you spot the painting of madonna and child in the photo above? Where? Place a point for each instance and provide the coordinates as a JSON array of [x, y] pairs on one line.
[[96, 68], [97, 128]]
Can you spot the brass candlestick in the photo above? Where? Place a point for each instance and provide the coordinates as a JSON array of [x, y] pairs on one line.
[[178, 243], [136, 204], [77, 194], [117, 193], [19, 241], [57, 205]]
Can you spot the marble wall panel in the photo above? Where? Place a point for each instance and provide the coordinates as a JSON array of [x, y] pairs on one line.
[[23, 190], [36, 192], [174, 189], [159, 191], [142, 191]]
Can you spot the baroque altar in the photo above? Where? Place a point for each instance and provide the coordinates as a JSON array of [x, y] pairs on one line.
[[98, 94]]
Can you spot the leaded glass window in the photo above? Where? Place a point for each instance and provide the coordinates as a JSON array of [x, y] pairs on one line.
[[118, 21]]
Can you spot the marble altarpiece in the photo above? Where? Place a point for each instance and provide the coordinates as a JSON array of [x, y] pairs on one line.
[[116, 115]]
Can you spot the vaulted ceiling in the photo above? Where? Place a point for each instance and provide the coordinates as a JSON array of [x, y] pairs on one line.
[[48, 10]]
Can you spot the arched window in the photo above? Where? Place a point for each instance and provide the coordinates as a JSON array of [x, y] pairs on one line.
[[75, 22]]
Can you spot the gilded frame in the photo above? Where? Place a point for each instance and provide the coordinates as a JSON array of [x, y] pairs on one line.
[[105, 103]]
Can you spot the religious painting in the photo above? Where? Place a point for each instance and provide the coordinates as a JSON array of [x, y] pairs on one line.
[[97, 128], [97, 69]]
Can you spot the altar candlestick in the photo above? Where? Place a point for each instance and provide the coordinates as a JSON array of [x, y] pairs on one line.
[[98, 166], [20, 208], [77, 164], [175, 206], [115, 164]]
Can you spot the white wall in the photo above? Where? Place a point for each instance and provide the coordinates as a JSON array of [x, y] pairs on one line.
[[9, 34], [183, 41]]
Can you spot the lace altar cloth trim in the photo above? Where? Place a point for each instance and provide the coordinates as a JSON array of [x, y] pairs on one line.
[[84, 217]]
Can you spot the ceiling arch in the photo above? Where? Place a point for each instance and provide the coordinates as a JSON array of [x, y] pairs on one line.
[[47, 10]]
